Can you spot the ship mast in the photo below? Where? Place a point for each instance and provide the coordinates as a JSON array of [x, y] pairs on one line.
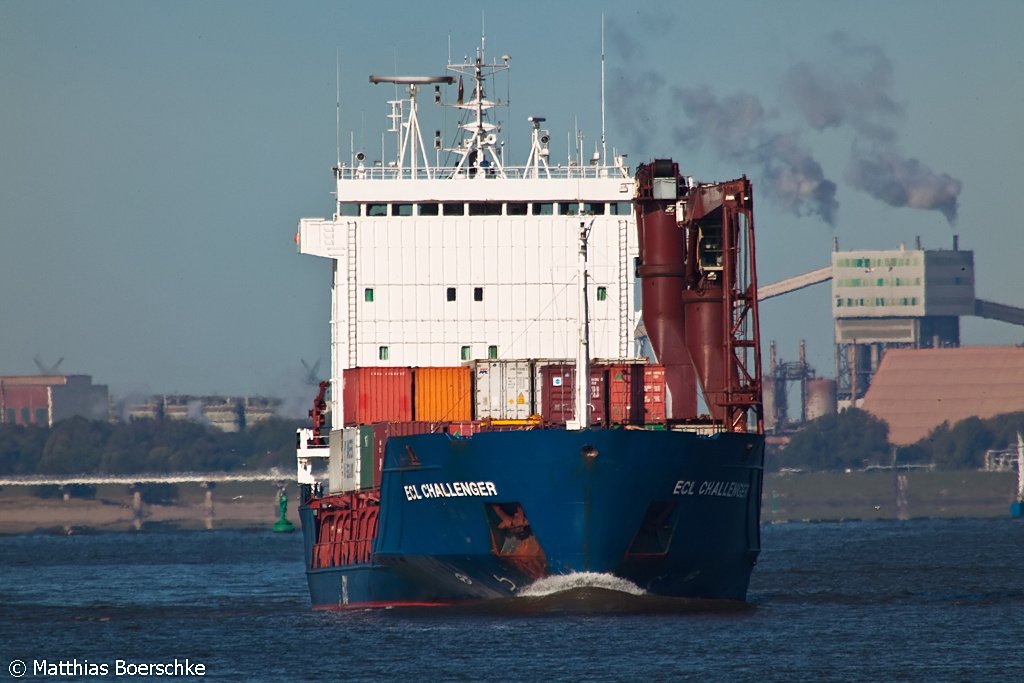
[[478, 157], [582, 387]]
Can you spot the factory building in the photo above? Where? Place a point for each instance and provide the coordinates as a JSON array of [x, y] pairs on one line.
[[46, 399], [916, 390], [227, 413], [909, 298]]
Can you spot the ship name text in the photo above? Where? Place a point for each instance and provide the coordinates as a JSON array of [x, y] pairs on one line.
[[454, 489], [722, 489]]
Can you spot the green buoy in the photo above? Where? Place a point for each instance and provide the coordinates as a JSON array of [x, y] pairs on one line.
[[282, 525]]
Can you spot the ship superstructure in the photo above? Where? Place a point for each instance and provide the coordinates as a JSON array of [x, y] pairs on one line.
[[438, 265]]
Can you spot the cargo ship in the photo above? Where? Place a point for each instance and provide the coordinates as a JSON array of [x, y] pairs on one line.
[[537, 370]]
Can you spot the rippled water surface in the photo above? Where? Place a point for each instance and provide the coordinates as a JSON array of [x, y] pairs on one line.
[[924, 600]]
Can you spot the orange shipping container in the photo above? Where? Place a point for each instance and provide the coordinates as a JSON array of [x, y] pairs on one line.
[[654, 394], [443, 394], [377, 395], [626, 393]]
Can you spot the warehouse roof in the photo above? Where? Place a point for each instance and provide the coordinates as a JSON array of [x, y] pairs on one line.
[[916, 390]]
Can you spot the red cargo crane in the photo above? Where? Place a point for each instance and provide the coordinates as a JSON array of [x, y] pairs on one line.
[[699, 285]]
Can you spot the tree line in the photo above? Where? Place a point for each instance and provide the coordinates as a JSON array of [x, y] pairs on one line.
[[81, 446], [851, 439], [854, 439]]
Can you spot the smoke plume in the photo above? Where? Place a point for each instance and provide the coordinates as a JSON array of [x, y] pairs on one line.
[[635, 86], [853, 90], [904, 182], [739, 130]]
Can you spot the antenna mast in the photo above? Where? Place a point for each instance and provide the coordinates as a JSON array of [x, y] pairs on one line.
[[337, 105], [604, 147]]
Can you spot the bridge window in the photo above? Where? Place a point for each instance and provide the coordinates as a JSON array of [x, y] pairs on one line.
[[376, 209], [516, 208], [450, 295], [593, 208], [382, 353], [484, 209], [368, 295], [401, 209], [568, 208], [348, 209], [602, 293], [478, 294], [428, 209], [465, 353], [543, 209], [454, 209], [620, 208], [492, 352]]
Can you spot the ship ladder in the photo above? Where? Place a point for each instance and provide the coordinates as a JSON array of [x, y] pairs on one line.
[[353, 286], [624, 289]]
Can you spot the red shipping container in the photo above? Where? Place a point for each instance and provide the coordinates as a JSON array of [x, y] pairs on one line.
[[626, 393], [558, 397], [377, 395], [654, 394], [382, 431]]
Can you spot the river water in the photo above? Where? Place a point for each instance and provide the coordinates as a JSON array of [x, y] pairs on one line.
[[920, 600]]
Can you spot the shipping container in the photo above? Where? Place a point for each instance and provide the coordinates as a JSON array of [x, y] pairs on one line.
[[365, 469], [442, 393], [349, 456], [538, 382], [654, 394], [375, 394], [503, 389], [356, 460], [383, 431], [559, 390], [336, 464], [625, 393]]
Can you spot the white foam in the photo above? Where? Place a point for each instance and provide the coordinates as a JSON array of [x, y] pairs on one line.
[[566, 582]]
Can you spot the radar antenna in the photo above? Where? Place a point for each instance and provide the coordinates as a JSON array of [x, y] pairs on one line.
[[410, 139]]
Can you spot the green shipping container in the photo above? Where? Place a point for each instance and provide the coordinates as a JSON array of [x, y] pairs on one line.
[[366, 464]]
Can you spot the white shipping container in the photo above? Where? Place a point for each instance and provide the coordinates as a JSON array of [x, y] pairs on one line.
[[336, 463], [350, 462], [503, 389]]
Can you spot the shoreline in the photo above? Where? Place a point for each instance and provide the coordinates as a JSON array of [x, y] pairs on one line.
[[236, 505], [27, 515], [808, 497]]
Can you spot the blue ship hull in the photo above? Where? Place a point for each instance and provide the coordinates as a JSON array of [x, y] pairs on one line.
[[467, 519]]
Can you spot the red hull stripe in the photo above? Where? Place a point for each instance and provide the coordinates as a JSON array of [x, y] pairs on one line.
[[380, 604]]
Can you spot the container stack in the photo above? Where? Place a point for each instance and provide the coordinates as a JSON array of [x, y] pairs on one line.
[[482, 395]]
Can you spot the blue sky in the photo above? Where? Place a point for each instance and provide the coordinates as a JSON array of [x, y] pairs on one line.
[[155, 157]]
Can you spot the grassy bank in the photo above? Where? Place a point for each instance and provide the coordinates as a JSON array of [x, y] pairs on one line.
[[873, 495]]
